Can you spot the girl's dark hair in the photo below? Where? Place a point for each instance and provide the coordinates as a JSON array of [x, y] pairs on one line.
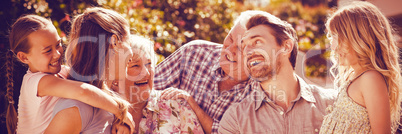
[[18, 39]]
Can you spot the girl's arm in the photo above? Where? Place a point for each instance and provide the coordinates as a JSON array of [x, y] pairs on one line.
[[376, 99], [50, 85]]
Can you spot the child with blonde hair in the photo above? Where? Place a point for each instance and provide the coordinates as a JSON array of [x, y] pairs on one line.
[[366, 71], [35, 42]]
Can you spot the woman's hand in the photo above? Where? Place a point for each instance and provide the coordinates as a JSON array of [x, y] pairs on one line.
[[174, 94]]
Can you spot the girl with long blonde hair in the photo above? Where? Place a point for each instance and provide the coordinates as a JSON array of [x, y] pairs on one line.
[[366, 71]]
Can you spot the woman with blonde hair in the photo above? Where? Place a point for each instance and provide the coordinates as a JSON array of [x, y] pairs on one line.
[[97, 54], [151, 113], [366, 70]]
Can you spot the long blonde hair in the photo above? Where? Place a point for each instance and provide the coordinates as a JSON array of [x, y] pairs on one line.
[[365, 30], [87, 55]]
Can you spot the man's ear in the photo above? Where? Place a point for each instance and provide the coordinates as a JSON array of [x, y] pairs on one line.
[[288, 46], [23, 57]]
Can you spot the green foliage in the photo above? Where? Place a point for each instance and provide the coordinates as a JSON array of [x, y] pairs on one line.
[[309, 22], [172, 23]]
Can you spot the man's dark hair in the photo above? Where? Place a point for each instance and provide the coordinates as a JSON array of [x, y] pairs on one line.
[[281, 30]]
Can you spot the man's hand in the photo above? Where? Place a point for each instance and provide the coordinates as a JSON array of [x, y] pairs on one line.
[[174, 94]]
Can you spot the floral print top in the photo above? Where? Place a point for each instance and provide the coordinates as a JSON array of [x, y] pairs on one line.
[[168, 116], [345, 115]]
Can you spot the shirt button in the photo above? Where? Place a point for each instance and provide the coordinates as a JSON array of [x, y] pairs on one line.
[[316, 130], [281, 113]]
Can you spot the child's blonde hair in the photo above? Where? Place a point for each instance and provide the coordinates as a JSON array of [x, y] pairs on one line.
[[361, 27], [18, 39]]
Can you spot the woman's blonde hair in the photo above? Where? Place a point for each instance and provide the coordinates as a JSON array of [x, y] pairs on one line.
[[146, 46], [361, 27], [89, 46], [88, 49]]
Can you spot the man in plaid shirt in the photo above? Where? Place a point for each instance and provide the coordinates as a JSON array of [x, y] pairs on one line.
[[208, 75]]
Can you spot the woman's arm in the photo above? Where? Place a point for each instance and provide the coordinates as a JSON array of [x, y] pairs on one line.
[[50, 85], [376, 99], [67, 121]]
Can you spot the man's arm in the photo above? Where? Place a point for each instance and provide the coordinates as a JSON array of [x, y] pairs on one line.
[[205, 120], [167, 73]]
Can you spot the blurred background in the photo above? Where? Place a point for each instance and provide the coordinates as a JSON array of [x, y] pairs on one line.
[[172, 23]]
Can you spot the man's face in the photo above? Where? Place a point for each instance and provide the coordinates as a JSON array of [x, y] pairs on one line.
[[261, 53], [231, 59]]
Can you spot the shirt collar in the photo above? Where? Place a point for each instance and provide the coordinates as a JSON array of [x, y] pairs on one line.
[[29, 71], [219, 73], [305, 90], [259, 95]]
